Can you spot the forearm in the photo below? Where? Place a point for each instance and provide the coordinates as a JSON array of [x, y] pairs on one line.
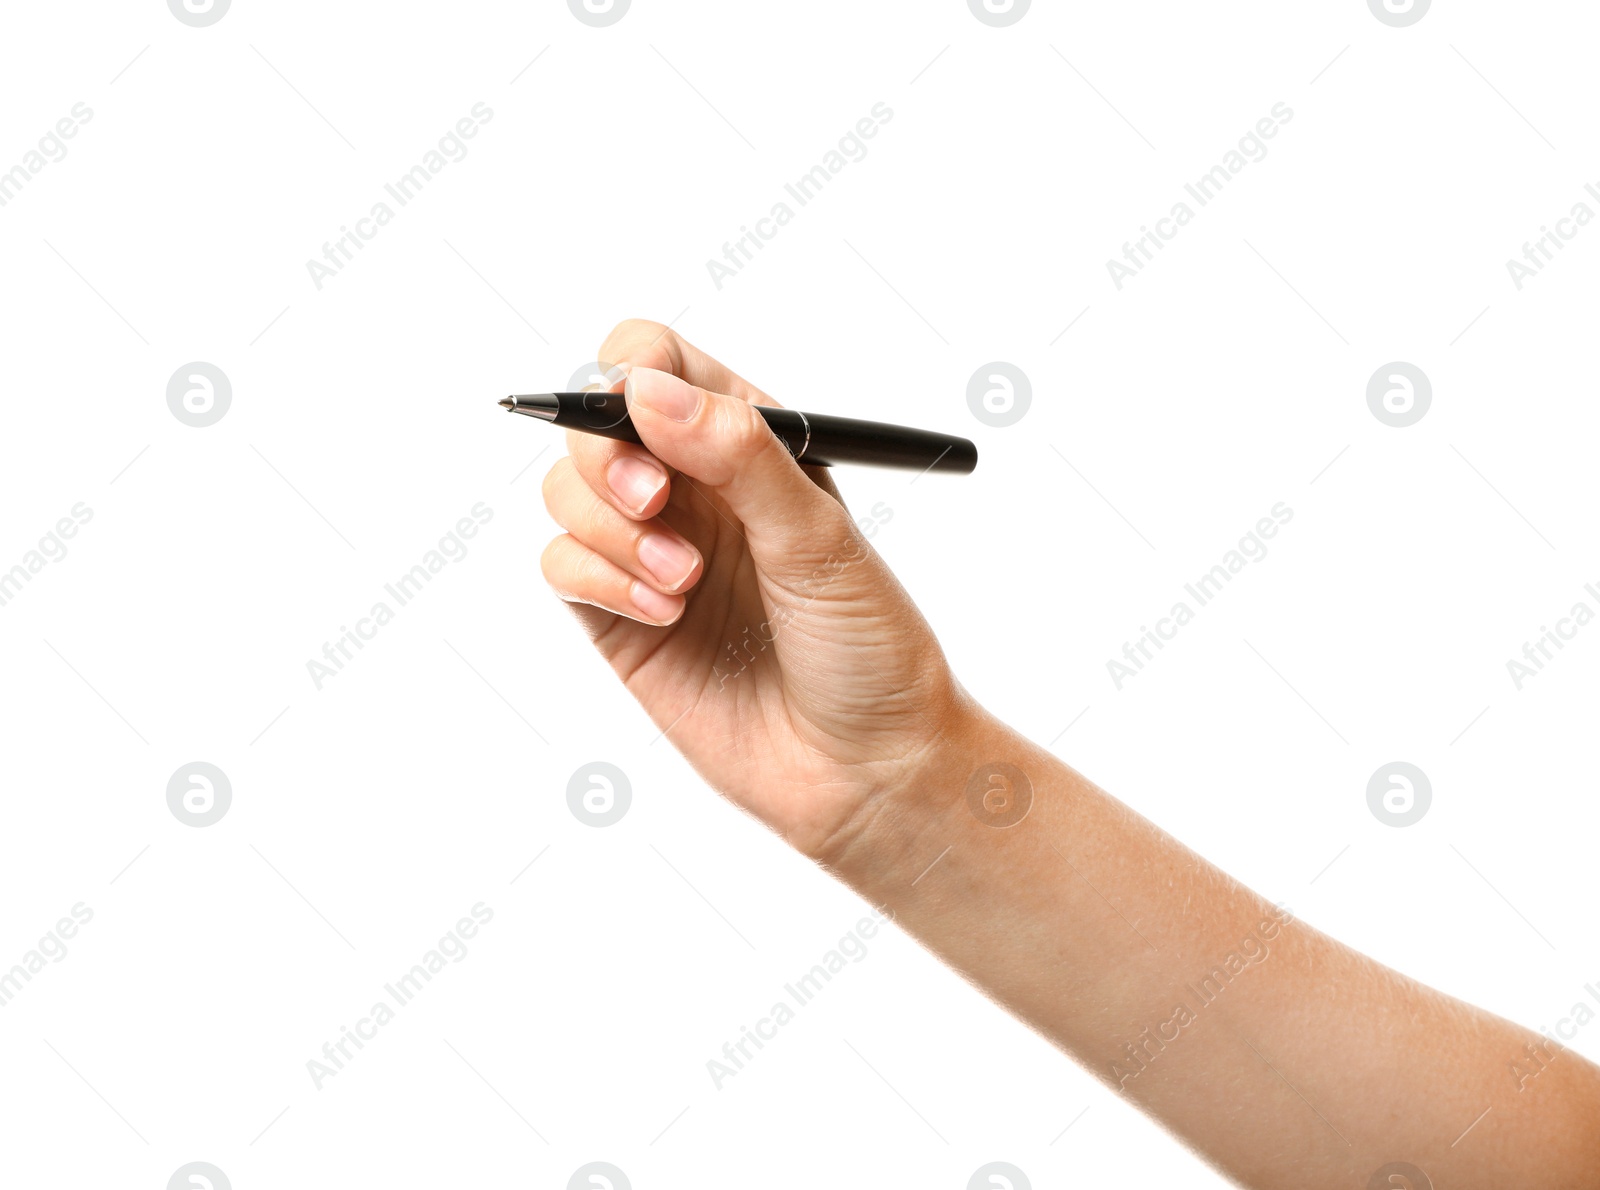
[[1285, 1057]]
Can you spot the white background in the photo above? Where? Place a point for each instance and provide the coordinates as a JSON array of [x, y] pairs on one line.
[[368, 816]]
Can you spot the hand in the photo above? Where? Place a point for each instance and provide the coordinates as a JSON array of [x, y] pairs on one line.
[[778, 653], [740, 604]]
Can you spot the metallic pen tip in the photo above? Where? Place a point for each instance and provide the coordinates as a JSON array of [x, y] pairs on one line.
[[508, 403], [544, 406]]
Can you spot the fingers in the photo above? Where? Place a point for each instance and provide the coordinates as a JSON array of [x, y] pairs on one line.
[[722, 442], [580, 575], [617, 554], [626, 476], [648, 550], [637, 342], [651, 345]]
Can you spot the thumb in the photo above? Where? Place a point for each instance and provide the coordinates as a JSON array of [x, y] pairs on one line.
[[723, 443]]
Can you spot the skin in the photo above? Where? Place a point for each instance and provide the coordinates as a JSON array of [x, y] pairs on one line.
[[787, 664]]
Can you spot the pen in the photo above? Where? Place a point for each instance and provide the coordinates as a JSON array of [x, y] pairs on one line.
[[818, 439]]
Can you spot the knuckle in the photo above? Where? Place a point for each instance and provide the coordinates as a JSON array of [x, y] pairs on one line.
[[589, 576], [571, 568], [552, 481], [626, 335], [583, 449], [744, 434], [550, 564]]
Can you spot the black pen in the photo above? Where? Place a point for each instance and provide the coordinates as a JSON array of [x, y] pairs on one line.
[[818, 439]]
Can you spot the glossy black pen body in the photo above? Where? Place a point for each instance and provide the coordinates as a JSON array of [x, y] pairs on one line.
[[818, 439]]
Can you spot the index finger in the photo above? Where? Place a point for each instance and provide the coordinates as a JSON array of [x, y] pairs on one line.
[[645, 344], [639, 342]]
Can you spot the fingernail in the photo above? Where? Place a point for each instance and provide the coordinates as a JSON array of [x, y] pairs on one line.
[[662, 392], [634, 481], [667, 558], [663, 609]]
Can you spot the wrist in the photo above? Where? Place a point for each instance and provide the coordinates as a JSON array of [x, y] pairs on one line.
[[930, 797]]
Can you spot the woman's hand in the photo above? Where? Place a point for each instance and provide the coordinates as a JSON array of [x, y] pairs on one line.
[[736, 598]]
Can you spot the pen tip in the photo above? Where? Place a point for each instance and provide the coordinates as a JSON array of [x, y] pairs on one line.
[[508, 403]]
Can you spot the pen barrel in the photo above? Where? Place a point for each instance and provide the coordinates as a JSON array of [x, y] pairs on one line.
[[847, 440], [790, 427], [817, 439], [603, 414]]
